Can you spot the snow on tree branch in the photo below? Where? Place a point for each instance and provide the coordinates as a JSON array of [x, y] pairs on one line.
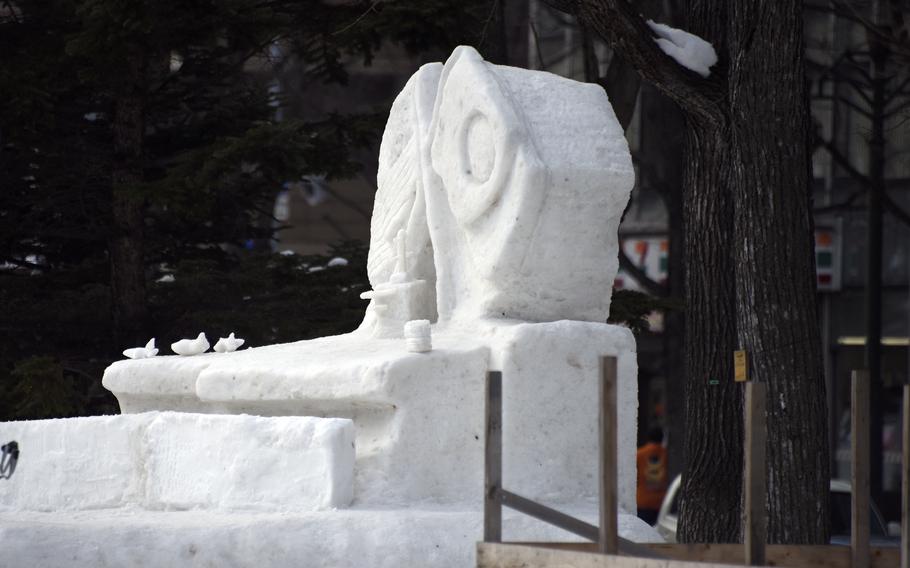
[[689, 50]]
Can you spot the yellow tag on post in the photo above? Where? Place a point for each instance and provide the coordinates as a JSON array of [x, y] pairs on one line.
[[740, 366]]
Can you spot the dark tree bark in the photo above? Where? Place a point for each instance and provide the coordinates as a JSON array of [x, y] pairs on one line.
[[775, 260], [749, 262], [712, 469], [128, 290]]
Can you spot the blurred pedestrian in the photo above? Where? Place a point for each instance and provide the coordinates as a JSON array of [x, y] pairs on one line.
[[651, 459]]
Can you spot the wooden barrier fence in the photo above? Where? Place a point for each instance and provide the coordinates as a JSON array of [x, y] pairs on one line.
[[607, 550]]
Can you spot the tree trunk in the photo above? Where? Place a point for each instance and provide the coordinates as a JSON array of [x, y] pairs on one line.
[[749, 258], [712, 478], [128, 291], [776, 316]]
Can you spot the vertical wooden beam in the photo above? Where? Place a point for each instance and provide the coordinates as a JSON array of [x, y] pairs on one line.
[[755, 531], [905, 482], [492, 506], [608, 542], [859, 453]]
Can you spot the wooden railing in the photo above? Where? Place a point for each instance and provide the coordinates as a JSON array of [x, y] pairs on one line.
[[496, 496], [753, 551]]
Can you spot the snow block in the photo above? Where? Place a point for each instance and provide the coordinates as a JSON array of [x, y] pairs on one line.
[[168, 460], [348, 538], [551, 374]]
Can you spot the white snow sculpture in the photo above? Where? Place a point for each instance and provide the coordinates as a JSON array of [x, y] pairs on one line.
[[188, 347], [500, 195], [228, 344], [417, 336], [142, 352], [535, 171]]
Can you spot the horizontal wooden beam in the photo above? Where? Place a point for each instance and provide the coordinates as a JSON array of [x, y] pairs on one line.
[[490, 555], [821, 556]]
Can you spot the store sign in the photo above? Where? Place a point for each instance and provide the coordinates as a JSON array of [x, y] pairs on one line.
[[650, 254], [827, 259]]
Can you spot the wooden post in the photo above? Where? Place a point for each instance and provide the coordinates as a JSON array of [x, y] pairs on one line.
[[756, 512], [905, 482], [492, 506], [608, 541], [859, 453]]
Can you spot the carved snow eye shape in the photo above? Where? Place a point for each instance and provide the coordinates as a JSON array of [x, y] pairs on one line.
[[476, 139], [478, 150], [485, 145]]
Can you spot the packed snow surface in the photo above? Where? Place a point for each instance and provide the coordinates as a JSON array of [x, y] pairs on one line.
[[347, 538], [689, 50], [171, 460]]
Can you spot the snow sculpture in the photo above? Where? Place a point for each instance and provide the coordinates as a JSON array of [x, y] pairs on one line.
[[188, 347], [418, 336], [142, 352], [228, 344], [500, 195], [533, 174]]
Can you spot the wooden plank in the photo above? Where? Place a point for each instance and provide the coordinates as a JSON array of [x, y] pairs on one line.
[[626, 547], [609, 535], [802, 556], [905, 482], [756, 517], [497, 555], [791, 555], [492, 507], [859, 437], [549, 515]]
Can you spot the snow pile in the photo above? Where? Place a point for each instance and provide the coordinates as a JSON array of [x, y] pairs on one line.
[[347, 538], [167, 460], [689, 50]]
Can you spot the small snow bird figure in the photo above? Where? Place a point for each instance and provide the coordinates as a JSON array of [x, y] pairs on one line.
[[228, 344], [142, 352], [191, 346]]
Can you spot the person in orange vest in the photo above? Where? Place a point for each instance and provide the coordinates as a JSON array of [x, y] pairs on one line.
[[651, 459]]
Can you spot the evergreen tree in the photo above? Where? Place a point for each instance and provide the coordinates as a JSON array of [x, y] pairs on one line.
[[137, 135]]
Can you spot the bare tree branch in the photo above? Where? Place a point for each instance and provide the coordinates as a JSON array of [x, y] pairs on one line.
[[654, 288], [567, 6], [897, 109], [845, 204], [866, 183], [624, 30], [844, 163], [848, 103], [895, 209]]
